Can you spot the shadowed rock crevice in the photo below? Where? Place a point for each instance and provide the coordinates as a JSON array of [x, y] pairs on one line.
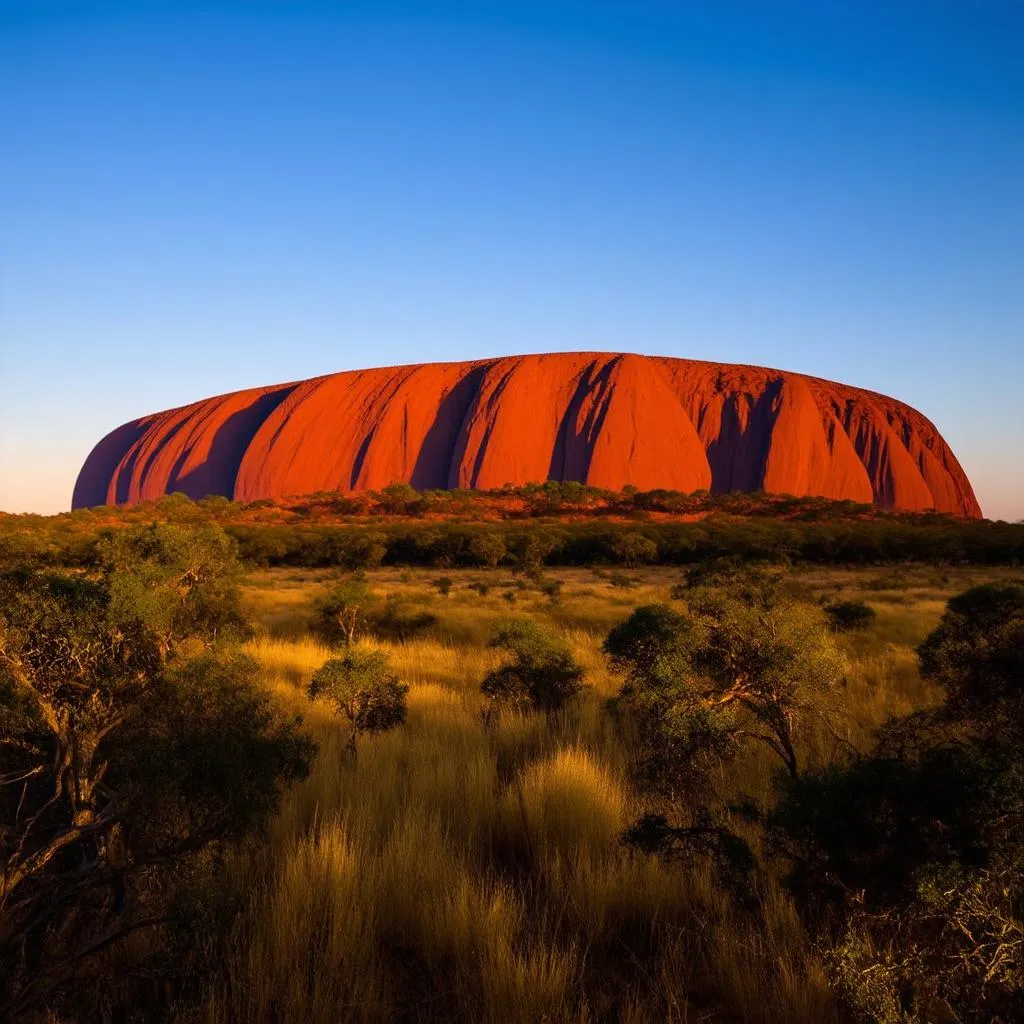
[[437, 452], [93, 483], [740, 452], [217, 473]]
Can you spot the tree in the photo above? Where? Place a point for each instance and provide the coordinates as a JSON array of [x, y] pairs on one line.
[[534, 549], [540, 674], [633, 549], [488, 548], [125, 755], [747, 664], [911, 853], [396, 498], [976, 654], [737, 666], [363, 688], [340, 611], [174, 581]]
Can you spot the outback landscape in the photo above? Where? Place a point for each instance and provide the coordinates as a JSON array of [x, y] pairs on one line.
[[457, 756], [511, 513]]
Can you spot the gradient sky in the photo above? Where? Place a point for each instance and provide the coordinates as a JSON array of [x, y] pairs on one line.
[[196, 198]]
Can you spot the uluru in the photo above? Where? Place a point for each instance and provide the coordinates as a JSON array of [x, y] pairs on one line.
[[603, 419]]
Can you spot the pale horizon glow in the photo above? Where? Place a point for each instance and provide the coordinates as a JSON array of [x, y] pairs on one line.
[[197, 199]]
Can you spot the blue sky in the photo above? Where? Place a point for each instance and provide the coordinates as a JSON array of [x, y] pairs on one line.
[[196, 198]]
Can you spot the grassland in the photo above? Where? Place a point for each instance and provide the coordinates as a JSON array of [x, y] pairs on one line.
[[460, 869]]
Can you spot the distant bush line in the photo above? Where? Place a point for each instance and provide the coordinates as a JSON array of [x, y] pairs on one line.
[[775, 529]]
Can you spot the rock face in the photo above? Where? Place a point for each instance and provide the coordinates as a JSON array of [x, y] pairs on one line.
[[600, 418]]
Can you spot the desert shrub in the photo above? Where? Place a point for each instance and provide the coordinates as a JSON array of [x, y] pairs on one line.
[[135, 743], [737, 666], [540, 673], [620, 581], [534, 548], [363, 688], [488, 548], [551, 589], [341, 612], [977, 655], [911, 854], [399, 499], [174, 581], [443, 585], [633, 549], [394, 621], [849, 616], [483, 589]]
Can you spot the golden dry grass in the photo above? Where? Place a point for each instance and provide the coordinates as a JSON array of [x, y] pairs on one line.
[[470, 870]]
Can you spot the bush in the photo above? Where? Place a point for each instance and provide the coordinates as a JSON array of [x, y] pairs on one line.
[[914, 849], [849, 616], [488, 548], [541, 673], [128, 760], [443, 585], [740, 665], [363, 688], [633, 549], [397, 623], [340, 612]]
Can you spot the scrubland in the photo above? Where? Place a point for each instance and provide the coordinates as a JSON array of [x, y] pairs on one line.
[[467, 867]]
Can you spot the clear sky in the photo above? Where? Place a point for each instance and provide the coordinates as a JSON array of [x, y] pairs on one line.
[[200, 197]]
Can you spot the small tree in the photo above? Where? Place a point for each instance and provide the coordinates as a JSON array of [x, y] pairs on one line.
[[747, 665], [396, 498], [341, 610], [488, 548], [912, 853], [976, 654], [363, 688], [541, 673], [174, 581], [633, 549], [125, 756]]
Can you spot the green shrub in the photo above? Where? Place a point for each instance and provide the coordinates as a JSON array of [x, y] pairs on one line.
[[540, 674], [849, 616], [341, 611], [363, 688]]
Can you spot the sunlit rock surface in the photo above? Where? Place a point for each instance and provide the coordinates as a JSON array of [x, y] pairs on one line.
[[599, 418]]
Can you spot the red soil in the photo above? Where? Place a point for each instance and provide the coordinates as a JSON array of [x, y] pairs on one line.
[[603, 419]]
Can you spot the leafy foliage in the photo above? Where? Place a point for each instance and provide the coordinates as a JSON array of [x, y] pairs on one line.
[[747, 664], [540, 674], [848, 616], [914, 850], [340, 612], [363, 688], [133, 742], [977, 655]]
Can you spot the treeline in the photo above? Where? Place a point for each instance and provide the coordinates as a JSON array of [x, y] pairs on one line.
[[574, 543]]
